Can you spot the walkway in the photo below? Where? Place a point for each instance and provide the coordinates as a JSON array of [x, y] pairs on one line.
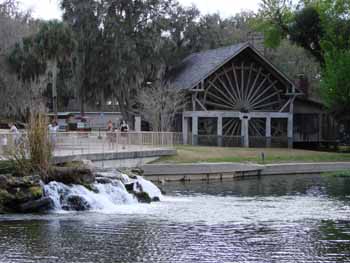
[[214, 171], [199, 171]]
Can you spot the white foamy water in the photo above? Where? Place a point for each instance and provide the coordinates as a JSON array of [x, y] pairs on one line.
[[216, 210], [105, 198], [147, 186]]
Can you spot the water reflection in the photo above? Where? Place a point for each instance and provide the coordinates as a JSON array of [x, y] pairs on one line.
[[273, 219]]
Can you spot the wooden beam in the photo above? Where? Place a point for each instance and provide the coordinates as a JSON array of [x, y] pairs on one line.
[[254, 83], [227, 90], [236, 128], [263, 92], [194, 102], [242, 81], [220, 91], [231, 85], [201, 105], [255, 102], [220, 99], [257, 89], [236, 81], [249, 80], [267, 104], [285, 105], [218, 105]]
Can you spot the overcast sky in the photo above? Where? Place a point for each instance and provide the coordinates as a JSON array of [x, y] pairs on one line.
[[48, 9]]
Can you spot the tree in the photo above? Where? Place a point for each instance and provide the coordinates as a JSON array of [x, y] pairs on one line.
[[335, 84], [311, 24], [296, 62], [323, 29], [131, 49], [159, 104], [14, 25], [85, 20], [54, 44], [30, 70]]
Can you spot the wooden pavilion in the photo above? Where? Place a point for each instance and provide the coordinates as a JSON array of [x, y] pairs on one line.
[[239, 98]]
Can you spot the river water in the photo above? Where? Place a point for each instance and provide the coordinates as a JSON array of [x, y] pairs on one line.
[[271, 219]]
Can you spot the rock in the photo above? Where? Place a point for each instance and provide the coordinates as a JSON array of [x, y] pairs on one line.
[[10, 181], [37, 206], [103, 180], [155, 199], [137, 171], [76, 203], [36, 191], [3, 181], [25, 194], [129, 187], [5, 198], [114, 175], [89, 165], [16, 191], [143, 197], [71, 175]]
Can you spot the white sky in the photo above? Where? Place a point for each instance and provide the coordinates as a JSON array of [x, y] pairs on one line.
[[49, 9]]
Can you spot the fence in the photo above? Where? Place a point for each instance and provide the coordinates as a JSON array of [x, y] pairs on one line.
[[75, 143], [238, 141]]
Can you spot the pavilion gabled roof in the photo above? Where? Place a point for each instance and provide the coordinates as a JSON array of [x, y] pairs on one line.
[[198, 66]]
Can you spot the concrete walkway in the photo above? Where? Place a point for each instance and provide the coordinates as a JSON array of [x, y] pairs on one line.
[[199, 171], [212, 171], [127, 153], [199, 168], [305, 168]]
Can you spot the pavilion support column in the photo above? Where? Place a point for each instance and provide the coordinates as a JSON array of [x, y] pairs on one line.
[[320, 127], [245, 131], [137, 124], [268, 132], [219, 126], [194, 130], [290, 131], [185, 130]]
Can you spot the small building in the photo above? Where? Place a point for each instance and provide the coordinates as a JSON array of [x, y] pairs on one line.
[[237, 97]]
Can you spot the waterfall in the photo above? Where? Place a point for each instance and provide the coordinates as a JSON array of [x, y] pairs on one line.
[[148, 187], [107, 196]]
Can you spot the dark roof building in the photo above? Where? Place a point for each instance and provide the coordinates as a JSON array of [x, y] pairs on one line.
[[238, 97]]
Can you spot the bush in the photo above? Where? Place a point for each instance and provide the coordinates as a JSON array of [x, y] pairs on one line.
[[335, 84], [33, 152]]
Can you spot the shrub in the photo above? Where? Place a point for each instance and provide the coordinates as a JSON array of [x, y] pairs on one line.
[[33, 152]]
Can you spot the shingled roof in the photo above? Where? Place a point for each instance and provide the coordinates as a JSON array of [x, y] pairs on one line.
[[198, 66]]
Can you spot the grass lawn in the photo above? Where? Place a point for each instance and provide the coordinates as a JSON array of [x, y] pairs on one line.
[[345, 173], [195, 154]]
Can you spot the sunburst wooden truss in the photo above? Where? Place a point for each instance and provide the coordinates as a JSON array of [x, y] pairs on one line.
[[243, 88]]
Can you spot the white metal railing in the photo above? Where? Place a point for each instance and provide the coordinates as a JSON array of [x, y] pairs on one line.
[[76, 143]]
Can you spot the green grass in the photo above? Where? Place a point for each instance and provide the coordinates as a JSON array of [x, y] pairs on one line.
[[195, 154], [345, 173]]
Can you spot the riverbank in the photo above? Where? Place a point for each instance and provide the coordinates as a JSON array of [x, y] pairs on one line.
[[197, 154], [222, 171]]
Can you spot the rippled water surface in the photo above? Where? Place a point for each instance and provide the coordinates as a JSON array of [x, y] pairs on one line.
[[272, 219]]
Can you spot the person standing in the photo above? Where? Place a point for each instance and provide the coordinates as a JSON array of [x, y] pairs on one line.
[[110, 134], [124, 128], [53, 128], [15, 134]]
